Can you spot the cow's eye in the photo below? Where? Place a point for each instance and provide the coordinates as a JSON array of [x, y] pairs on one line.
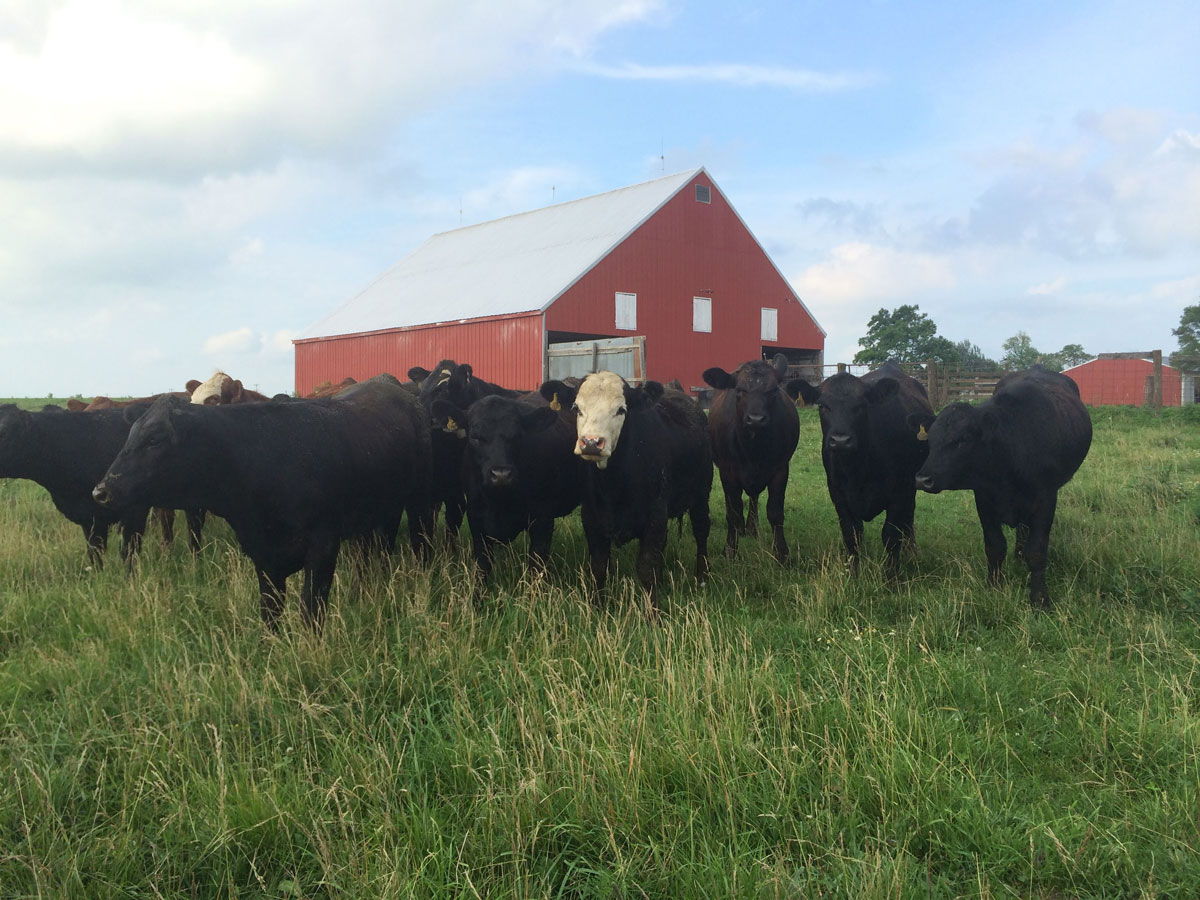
[[574, 407], [621, 411]]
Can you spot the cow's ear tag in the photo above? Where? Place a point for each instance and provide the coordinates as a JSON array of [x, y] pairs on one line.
[[452, 426], [555, 405], [922, 434]]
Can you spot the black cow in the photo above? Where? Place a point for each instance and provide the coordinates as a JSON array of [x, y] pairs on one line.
[[456, 384], [67, 453], [519, 470], [292, 479], [754, 427], [870, 453], [649, 461], [1014, 450]]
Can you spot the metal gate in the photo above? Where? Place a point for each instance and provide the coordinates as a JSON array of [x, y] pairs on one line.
[[625, 356]]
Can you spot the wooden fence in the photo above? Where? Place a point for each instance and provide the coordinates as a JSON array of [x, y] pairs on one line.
[[945, 384]]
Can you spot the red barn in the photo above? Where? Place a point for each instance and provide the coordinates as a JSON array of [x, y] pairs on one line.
[[669, 262], [1122, 382]]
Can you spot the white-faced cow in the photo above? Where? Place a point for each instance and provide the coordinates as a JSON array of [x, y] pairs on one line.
[[67, 453], [293, 479], [870, 453], [221, 390], [519, 470], [649, 462], [754, 429], [1015, 450]]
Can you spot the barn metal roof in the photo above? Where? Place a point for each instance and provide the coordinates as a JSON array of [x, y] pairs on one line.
[[520, 263]]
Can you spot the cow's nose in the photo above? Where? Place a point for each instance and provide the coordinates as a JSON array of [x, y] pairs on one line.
[[501, 475], [100, 494], [591, 446], [754, 420], [840, 441]]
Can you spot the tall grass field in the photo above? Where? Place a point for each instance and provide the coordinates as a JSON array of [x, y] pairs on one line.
[[782, 732]]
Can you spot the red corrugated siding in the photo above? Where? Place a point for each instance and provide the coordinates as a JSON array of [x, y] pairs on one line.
[[506, 350], [1122, 382], [689, 249]]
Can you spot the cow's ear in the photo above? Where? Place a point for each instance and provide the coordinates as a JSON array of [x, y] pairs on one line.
[[921, 422], [653, 391], [447, 416], [234, 390], [418, 374], [720, 379], [780, 365], [799, 389], [882, 389], [191, 386], [461, 376], [557, 394], [538, 418]]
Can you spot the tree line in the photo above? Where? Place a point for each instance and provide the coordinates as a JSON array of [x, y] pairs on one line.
[[906, 334]]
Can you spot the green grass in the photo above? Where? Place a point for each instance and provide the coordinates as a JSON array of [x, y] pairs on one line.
[[780, 733]]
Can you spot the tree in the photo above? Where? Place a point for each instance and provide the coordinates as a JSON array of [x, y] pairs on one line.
[[1072, 355], [1188, 334], [972, 358], [1019, 352], [905, 334]]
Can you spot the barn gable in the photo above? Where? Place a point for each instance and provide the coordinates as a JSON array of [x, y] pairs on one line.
[[519, 263]]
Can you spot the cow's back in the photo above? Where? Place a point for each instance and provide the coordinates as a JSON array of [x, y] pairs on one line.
[[690, 451]]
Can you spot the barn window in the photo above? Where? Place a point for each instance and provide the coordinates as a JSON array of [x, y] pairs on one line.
[[703, 193], [770, 324], [626, 312], [701, 314]]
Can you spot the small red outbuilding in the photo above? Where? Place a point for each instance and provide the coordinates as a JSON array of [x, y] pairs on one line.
[[669, 261], [1122, 382]]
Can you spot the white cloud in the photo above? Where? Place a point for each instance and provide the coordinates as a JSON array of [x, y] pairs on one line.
[[231, 342], [860, 272], [1048, 288], [738, 74]]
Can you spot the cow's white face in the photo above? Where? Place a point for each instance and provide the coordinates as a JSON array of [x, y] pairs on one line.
[[211, 392], [600, 414]]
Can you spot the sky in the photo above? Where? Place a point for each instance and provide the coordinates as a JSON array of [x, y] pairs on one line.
[[187, 184]]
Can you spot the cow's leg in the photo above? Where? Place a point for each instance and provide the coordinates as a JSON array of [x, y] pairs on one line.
[[752, 515], [776, 492], [483, 549], [735, 522], [701, 526], [541, 534], [318, 580], [651, 549], [96, 535], [271, 591], [1020, 538], [195, 527], [1036, 545], [420, 511], [132, 529], [599, 550], [994, 544], [166, 524], [455, 507], [850, 526], [898, 530]]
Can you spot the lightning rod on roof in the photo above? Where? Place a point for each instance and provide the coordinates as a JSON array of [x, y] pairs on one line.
[[662, 156]]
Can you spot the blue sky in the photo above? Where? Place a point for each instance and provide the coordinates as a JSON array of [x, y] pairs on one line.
[[186, 186]]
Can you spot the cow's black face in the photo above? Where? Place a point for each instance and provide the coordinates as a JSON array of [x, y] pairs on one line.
[[148, 458], [844, 403], [955, 445], [496, 428], [756, 387]]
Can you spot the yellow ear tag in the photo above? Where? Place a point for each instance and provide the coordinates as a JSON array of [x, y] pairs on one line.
[[922, 435], [451, 425], [555, 405]]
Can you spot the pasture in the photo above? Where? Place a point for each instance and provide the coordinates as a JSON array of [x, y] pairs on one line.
[[781, 732]]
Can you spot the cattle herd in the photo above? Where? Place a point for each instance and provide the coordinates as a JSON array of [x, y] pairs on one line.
[[295, 478]]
